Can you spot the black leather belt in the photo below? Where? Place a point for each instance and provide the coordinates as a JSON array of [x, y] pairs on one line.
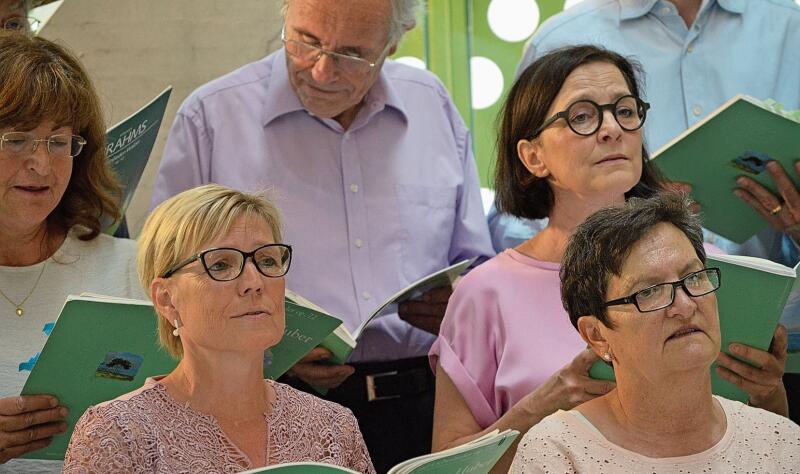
[[376, 381]]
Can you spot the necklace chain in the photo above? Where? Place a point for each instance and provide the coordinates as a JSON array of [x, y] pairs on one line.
[[19, 309]]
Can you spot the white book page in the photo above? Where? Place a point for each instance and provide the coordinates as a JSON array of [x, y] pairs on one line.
[[756, 263]]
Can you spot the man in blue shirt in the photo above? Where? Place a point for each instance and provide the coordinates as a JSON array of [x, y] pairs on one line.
[[696, 55]]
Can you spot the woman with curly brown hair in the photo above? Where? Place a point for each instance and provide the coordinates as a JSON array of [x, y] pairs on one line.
[[56, 191]]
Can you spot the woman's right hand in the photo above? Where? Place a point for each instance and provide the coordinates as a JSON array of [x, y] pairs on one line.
[[28, 423], [567, 388]]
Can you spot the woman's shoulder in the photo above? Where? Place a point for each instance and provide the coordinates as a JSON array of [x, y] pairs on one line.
[[509, 267], [101, 245], [140, 404], [752, 421]]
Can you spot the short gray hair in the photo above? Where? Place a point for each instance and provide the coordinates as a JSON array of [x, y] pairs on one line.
[[404, 17]]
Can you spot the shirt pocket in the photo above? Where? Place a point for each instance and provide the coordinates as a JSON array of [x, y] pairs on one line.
[[427, 215]]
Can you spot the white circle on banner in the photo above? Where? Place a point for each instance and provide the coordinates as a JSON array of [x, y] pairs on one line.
[[513, 20], [412, 61], [571, 3], [487, 82]]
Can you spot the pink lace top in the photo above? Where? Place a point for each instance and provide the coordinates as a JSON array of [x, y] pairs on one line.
[[149, 431]]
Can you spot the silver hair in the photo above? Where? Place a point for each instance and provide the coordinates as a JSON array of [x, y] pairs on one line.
[[404, 17]]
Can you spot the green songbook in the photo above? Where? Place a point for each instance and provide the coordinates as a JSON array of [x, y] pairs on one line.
[[102, 347], [751, 298], [342, 342], [129, 144], [475, 457], [737, 139]]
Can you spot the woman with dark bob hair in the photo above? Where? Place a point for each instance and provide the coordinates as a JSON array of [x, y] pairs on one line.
[[56, 190], [569, 144], [635, 284]]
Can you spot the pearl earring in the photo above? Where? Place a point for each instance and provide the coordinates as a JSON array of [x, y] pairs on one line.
[[176, 332], [607, 357]]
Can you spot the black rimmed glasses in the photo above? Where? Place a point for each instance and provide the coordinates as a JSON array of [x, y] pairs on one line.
[[349, 63], [22, 144], [585, 117], [662, 295], [226, 264]]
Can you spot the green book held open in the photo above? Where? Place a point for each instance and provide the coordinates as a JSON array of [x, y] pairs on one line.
[[751, 298], [342, 342], [475, 457], [102, 347], [129, 144], [738, 139]]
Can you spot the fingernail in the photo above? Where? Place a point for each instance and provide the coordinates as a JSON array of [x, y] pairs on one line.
[[63, 411], [735, 348], [741, 181], [53, 402]]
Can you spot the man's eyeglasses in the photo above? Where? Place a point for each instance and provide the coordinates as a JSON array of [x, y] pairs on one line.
[[226, 264], [348, 63], [661, 296], [21, 23], [585, 117], [23, 144]]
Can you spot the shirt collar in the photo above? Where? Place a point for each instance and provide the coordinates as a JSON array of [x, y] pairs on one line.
[[632, 9], [281, 98]]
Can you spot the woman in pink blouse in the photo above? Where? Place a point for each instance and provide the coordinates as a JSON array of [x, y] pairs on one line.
[[212, 261], [569, 144]]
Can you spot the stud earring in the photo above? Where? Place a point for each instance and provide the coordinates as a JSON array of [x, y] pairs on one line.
[[177, 331], [607, 357]]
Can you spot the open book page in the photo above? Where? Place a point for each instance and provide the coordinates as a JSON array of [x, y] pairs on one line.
[[107, 299], [478, 455], [756, 263]]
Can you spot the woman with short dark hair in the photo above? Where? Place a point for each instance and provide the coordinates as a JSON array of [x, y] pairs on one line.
[[635, 284]]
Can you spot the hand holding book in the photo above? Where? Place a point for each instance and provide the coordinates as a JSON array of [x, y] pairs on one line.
[[782, 211], [427, 311], [315, 370]]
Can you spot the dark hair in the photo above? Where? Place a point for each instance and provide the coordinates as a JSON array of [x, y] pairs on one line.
[[518, 192], [43, 81], [601, 245]]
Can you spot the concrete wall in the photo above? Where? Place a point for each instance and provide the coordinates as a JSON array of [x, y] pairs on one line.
[[134, 49]]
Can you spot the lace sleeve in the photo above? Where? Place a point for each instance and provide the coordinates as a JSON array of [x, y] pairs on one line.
[[358, 454], [99, 444]]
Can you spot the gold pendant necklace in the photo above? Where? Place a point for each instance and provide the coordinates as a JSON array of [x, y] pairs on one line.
[[19, 309]]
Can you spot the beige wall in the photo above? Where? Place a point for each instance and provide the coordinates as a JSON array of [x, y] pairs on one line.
[[135, 48]]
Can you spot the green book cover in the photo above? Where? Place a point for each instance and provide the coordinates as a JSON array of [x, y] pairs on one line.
[[301, 468], [476, 457], [735, 140], [751, 298], [103, 347], [129, 144], [342, 342]]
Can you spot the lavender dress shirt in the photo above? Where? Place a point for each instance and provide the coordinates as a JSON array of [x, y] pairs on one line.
[[368, 210]]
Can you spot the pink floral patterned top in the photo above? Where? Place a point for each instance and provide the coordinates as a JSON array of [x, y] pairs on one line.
[[147, 431]]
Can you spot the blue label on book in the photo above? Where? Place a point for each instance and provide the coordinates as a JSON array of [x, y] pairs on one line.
[[120, 366]]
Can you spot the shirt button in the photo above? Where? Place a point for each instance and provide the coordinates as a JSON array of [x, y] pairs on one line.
[[366, 295], [359, 243], [346, 135], [354, 188], [665, 10], [697, 110], [690, 49]]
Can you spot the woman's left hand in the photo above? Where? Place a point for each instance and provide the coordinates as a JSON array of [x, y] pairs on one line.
[[782, 212], [764, 384]]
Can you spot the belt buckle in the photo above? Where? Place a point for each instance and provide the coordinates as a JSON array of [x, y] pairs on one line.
[[371, 396]]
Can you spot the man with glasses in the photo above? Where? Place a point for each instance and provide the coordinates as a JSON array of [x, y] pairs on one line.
[[696, 55], [372, 169], [14, 15]]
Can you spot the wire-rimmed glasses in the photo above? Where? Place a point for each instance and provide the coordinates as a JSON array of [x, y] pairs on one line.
[[349, 63], [61, 145]]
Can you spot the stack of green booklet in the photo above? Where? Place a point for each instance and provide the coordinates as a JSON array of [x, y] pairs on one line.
[[751, 297], [737, 139], [342, 342], [476, 457], [102, 347]]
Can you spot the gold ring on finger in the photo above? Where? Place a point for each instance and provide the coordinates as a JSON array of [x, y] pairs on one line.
[[776, 209]]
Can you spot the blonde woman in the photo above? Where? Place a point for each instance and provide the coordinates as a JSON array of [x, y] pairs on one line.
[[213, 262]]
